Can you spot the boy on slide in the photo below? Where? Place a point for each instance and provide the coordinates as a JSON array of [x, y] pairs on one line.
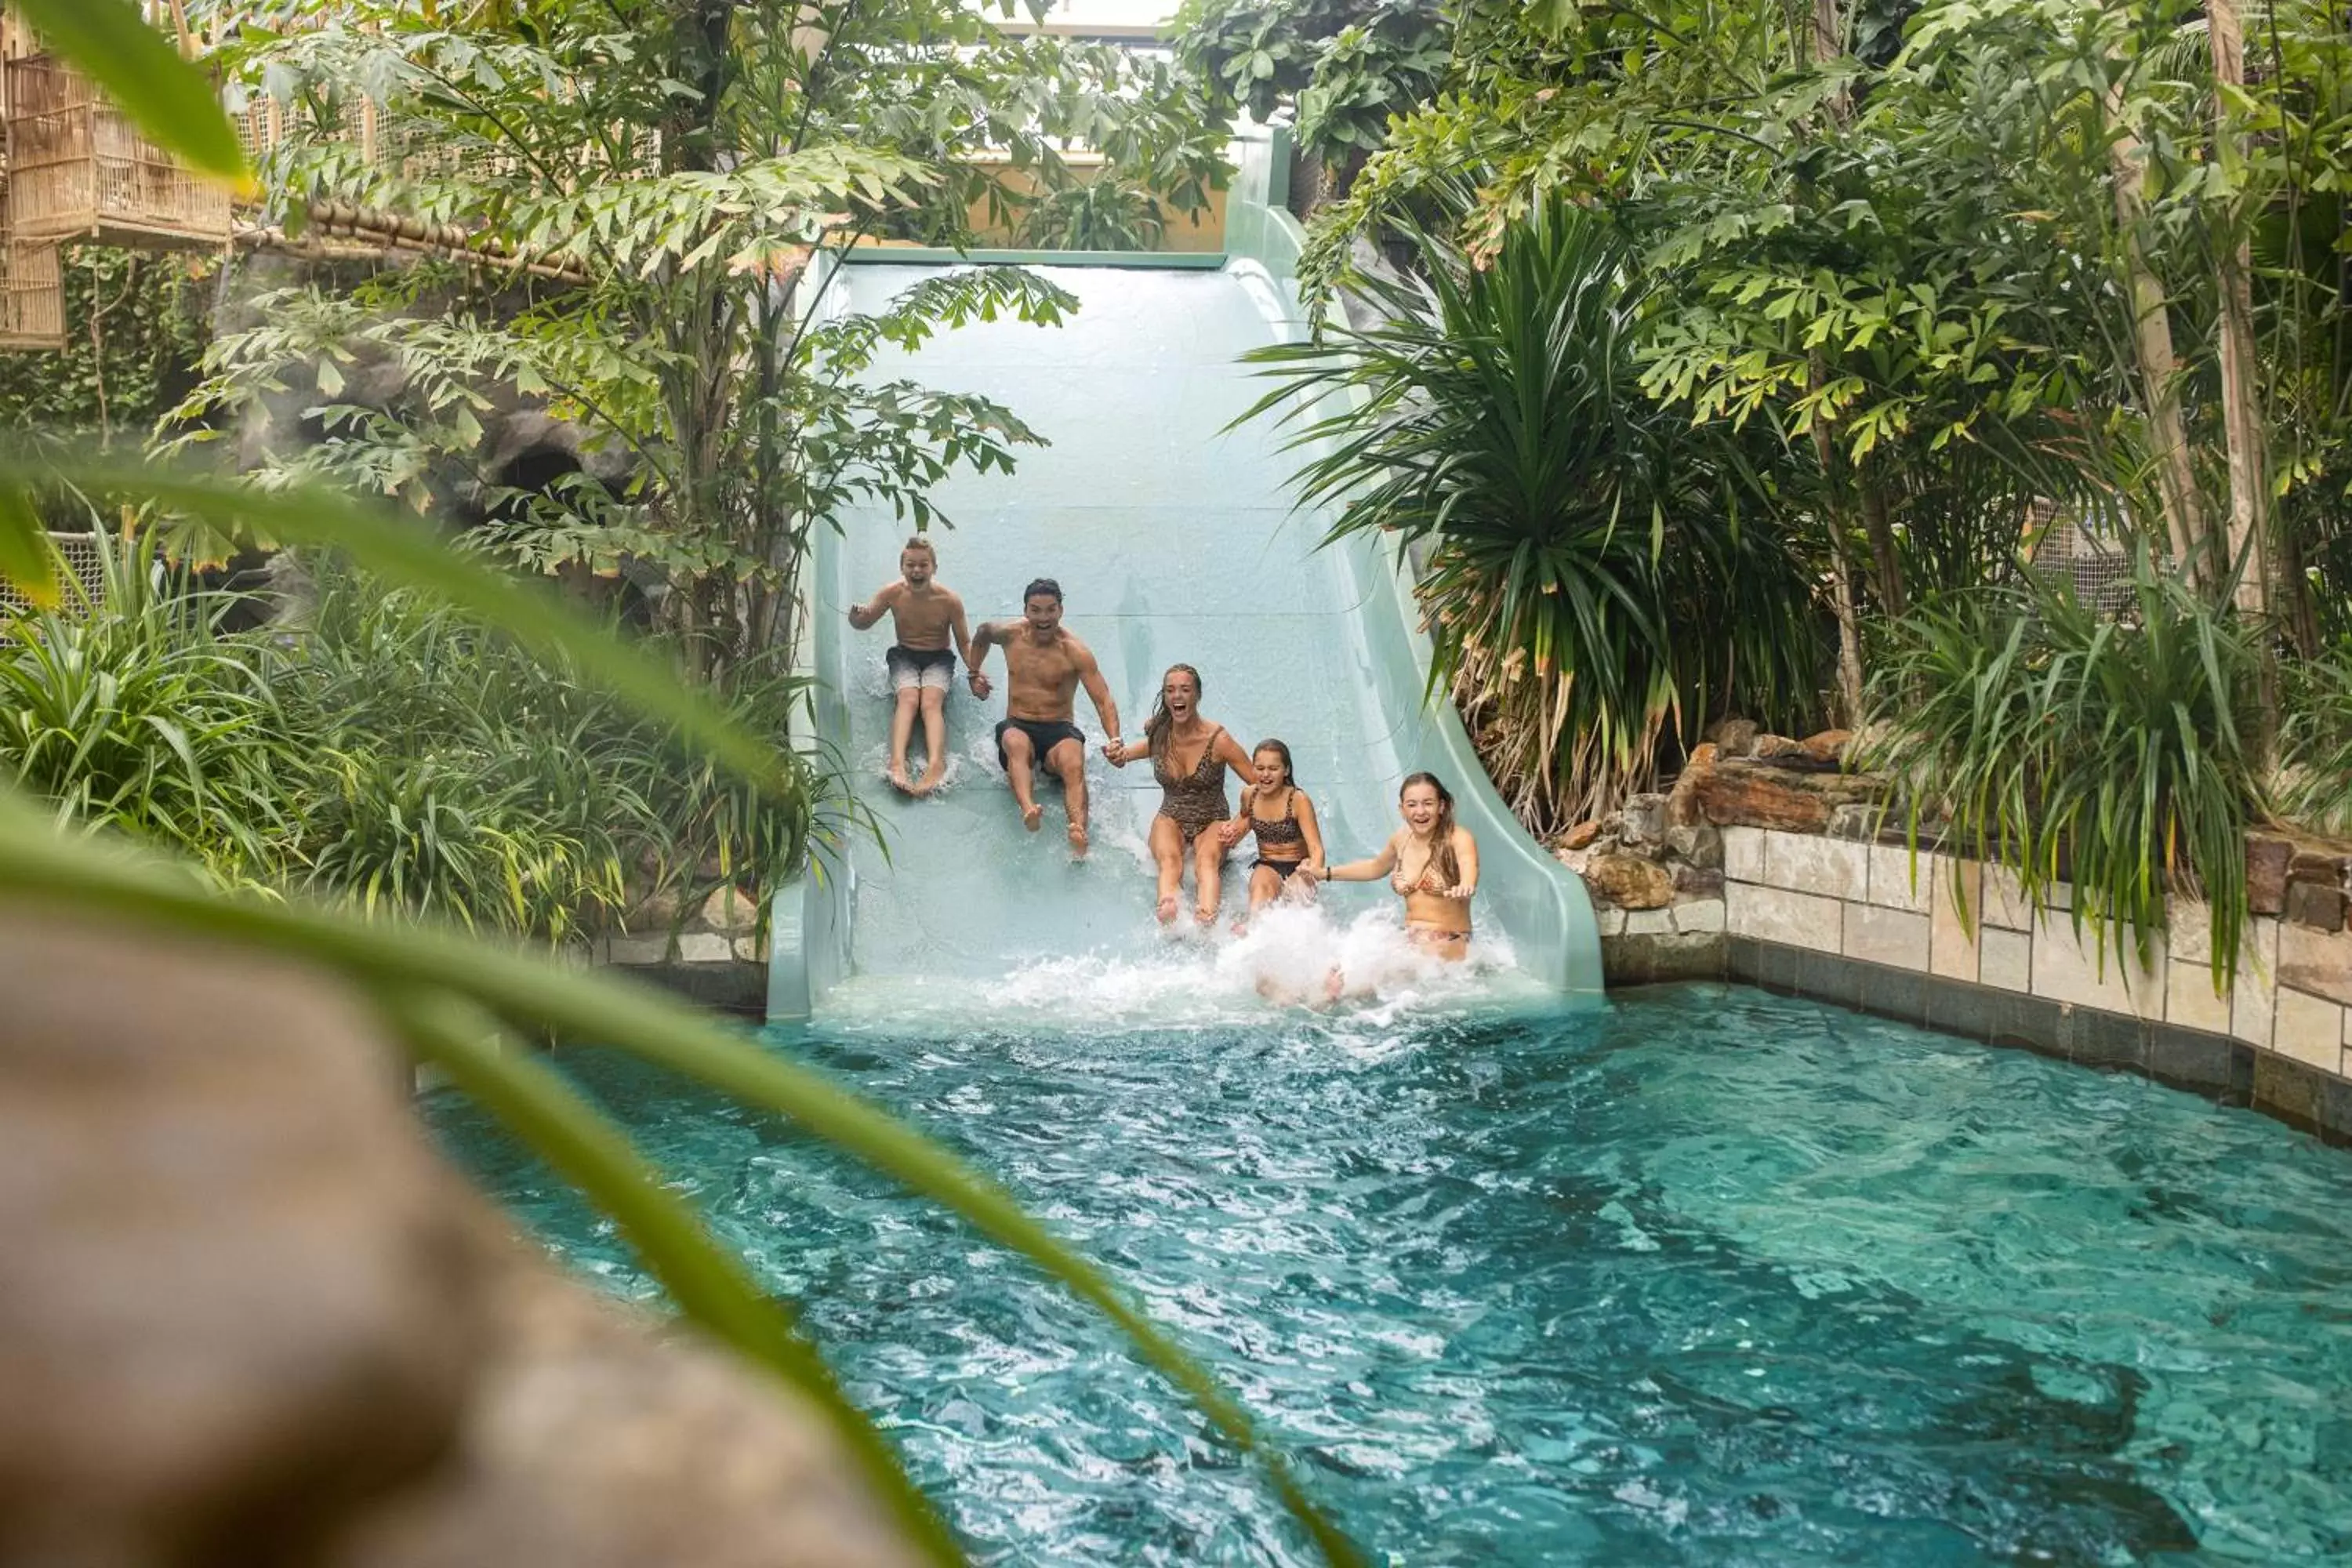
[[924, 612]]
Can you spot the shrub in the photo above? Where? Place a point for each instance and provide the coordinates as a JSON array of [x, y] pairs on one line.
[[2116, 753], [1599, 570]]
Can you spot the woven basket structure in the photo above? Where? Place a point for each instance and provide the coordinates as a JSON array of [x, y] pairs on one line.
[[77, 169]]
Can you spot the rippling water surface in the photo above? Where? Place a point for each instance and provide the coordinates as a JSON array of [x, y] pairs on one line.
[[1704, 1277]]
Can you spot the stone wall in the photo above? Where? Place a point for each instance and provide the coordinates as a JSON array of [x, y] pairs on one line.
[[1816, 896], [713, 955]]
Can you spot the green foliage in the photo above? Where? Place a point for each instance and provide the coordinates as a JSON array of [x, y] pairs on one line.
[[137, 325], [140, 718], [1104, 213], [2115, 754], [690, 173], [2316, 777], [1345, 66], [1599, 574]]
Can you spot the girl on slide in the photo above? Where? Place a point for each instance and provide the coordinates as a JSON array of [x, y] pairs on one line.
[[1289, 841], [1189, 757], [1432, 864]]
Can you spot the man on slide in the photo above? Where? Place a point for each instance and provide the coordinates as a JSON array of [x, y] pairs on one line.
[[1044, 668]]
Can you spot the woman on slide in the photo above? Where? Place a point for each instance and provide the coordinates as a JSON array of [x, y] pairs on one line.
[[1189, 757], [1432, 864], [1289, 841]]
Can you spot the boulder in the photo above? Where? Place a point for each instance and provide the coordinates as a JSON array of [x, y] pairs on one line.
[[1700, 845], [1733, 737], [1770, 748], [247, 1315], [1642, 820], [1582, 836], [2316, 904], [1629, 881], [1757, 794], [729, 910], [233, 1303], [1682, 801], [1705, 881], [2267, 861], [1827, 746]]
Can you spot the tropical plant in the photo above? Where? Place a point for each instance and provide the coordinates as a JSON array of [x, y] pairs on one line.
[[1345, 66], [2315, 752], [137, 325], [1107, 213], [125, 710], [2113, 753], [1600, 574], [659, 190]]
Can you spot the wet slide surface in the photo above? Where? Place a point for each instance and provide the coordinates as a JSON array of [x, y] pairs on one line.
[[1174, 540]]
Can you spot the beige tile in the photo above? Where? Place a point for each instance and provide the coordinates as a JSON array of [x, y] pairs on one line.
[[1698, 916], [2087, 971], [2005, 904], [1890, 877], [2188, 928], [2310, 1029], [2319, 961], [1894, 937], [2006, 959], [1803, 863], [1952, 941], [2188, 999], [1743, 854], [1775, 914], [2250, 997]]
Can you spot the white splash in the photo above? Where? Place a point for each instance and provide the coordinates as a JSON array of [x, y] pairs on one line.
[[1292, 961]]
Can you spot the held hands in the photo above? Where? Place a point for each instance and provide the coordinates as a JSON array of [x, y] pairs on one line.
[[1231, 833], [980, 687], [1115, 750]]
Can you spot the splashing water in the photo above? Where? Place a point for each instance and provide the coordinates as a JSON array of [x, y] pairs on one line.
[[1291, 958]]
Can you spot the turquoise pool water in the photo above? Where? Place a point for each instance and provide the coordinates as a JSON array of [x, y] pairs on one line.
[[1704, 1277]]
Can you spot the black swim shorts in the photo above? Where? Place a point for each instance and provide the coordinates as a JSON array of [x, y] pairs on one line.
[[1044, 735]]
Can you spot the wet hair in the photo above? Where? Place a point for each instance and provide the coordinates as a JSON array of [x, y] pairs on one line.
[[1442, 858], [1278, 749], [1042, 587], [922, 542], [1156, 729]]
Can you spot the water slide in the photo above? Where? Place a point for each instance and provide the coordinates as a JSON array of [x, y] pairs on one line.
[[1175, 542]]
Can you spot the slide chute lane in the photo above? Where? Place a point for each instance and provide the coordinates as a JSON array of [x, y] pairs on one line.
[[1175, 542]]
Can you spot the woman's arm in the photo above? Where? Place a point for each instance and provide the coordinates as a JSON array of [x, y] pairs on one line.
[[1370, 870], [1310, 830], [1465, 856], [1230, 752]]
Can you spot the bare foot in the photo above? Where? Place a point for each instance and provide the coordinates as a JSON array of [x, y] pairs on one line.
[[1031, 816], [899, 779], [927, 784], [1335, 985], [1240, 928], [1078, 844], [1204, 918], [1168, 909]]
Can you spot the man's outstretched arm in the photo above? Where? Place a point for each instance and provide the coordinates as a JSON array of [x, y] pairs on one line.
[[1090, 676]]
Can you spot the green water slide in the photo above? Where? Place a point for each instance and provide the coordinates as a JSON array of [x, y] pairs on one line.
[[1174, 540]]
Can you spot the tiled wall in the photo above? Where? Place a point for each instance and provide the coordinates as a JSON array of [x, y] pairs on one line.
[[1863, 902]]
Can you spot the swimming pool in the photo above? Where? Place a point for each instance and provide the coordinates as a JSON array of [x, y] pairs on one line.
[[1705, 1276]]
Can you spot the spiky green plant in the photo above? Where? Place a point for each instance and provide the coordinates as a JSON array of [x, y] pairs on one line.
[[2113, 753], [124, 709], [1600, 572]]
